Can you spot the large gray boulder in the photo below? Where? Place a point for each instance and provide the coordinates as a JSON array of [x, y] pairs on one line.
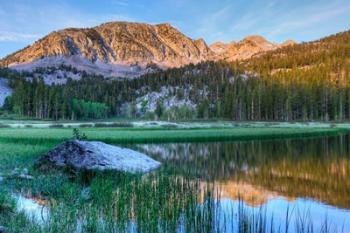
[[98, 156]]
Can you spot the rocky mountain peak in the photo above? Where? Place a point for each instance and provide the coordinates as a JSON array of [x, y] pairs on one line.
[[289, 43], [256, 39], [112, 46], [245, 48], [127, 48]]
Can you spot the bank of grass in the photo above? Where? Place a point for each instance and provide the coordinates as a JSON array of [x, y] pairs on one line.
[[137, 135]]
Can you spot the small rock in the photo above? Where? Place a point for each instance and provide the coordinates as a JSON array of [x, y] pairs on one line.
[[3, 229], [25, 171], [18, 174], [15, 171], [25, 177], [85, 194]]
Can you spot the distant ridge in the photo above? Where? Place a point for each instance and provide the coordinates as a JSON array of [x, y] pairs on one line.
[[245, 48]]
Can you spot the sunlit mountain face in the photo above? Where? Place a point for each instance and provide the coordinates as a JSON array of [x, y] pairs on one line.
[[123, 49]]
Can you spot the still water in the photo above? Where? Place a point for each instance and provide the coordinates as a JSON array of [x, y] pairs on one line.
[[295, 180]]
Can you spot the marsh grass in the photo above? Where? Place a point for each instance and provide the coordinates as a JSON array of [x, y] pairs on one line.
[[7, 204], [152, 203]]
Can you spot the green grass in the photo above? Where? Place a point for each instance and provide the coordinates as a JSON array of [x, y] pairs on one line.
[[134, 135], [7, 204]]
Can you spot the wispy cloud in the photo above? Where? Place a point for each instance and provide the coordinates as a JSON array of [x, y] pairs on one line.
[[121, 2], [254, 16], [276, 20], [34, 21], [16, 36], [229, 21], [310, 17], [211, 25]]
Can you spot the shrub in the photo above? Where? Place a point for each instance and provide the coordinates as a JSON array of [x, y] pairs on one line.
[[114, 125], [78, 135]]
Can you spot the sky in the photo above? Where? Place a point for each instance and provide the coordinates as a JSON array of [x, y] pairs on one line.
[[22, 22]]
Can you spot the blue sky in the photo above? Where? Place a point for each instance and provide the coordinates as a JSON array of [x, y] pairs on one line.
[[24, 21]]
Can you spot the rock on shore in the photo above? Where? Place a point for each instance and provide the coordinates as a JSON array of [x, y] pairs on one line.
[[98, 156]]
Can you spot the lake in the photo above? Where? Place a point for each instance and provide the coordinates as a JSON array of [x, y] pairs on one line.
[[284, 185], [306, 181]]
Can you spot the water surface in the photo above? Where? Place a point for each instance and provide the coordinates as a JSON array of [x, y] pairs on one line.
[[299, 179]]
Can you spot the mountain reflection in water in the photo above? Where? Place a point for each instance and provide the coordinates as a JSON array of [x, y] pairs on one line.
[[256, 171]]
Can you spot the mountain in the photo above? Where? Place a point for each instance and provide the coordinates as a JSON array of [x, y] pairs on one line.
[[246, 48], [115, 49], [126, 49], [330, 53], [288, 43]]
